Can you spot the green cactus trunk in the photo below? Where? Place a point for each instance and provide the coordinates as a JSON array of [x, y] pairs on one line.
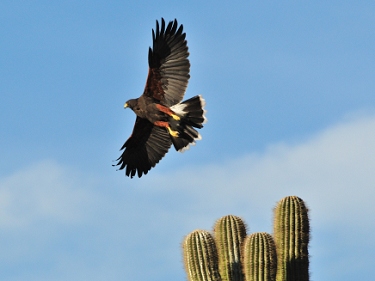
[[230, 231], [259, 257], [200, 257], [291, 233]]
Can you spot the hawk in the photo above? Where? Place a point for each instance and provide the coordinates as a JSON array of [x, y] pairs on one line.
[[162, 118]]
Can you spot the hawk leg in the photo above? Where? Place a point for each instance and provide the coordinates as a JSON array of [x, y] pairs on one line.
[[167, 111], [166, 125]]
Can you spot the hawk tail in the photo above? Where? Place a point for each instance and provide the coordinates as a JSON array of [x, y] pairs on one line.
[[191, 113]]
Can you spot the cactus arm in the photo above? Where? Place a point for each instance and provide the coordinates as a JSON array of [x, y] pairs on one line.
[[259, 257], [230, 231], [200, 257], [291, 233]]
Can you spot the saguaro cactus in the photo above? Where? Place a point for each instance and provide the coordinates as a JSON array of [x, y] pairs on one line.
[[230, 231], [259, 257], [200, 257], [261, 254], [291, 233]]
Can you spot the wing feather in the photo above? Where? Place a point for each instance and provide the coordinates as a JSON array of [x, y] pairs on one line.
[[169, 65], [144, 149]]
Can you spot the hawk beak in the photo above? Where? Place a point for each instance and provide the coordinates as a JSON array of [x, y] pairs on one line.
[[126, 105]]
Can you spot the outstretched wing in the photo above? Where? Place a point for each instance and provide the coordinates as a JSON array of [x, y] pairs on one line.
[[144, 148], [169, 66]]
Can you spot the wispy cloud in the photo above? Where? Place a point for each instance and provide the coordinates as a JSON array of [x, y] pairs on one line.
[[332, 171], [107, 226], [44, 191]]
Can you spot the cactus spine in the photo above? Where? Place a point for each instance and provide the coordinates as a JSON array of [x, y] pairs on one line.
[[291, 233], [200, 257], [259, 257], [230, 231]]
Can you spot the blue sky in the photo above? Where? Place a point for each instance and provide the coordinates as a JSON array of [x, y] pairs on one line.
[[290, 95]]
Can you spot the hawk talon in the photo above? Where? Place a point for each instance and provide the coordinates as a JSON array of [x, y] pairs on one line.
[[172, 133], [175, 117]]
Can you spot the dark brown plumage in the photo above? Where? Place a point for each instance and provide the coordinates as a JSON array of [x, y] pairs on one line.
[[162, 119]]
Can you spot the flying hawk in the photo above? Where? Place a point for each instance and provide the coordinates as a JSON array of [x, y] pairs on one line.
[[162, 119]]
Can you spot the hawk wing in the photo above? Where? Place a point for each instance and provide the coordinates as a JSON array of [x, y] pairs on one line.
[[144, 149], [169, 66]]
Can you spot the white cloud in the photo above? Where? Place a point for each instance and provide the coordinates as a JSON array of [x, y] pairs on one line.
[[333, 172], [44, 191], [143, 224]]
